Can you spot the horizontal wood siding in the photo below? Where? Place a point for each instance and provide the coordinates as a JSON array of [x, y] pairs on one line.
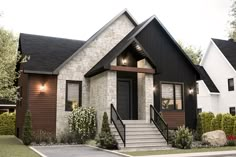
[[174, 118], [43, 104], [173, 67], [21, 106], [132, 69]]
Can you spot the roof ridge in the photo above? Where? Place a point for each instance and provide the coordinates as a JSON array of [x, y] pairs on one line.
[[125, 11], [45, 36]]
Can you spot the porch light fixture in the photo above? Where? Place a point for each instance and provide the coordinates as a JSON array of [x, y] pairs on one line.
[[190, 91], [124, 61], [138, 47], [42, 88], [154, 88]]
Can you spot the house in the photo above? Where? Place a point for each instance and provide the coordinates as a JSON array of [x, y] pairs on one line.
[[216, 89], [129, 65], [7, 106]]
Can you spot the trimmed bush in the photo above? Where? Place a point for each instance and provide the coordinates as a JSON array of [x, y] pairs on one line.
[[227, 124], [7, 123], [206, 118], [216, 122], [234, 129], [183, 138], [82, 123], [105, 138], [27, 129]]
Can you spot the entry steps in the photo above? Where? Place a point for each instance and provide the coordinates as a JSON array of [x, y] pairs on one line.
[[140, 135]]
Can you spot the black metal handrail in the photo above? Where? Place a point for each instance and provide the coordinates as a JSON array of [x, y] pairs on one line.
[[118, 123], [159, 122]]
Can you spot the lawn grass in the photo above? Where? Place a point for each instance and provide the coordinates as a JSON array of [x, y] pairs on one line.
[[11, 147], [178, 151]]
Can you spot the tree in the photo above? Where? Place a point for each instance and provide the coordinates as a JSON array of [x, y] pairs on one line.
[[232, 32], [193, 53], [8, 59]]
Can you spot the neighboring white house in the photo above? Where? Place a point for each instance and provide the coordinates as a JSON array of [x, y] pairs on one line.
[[216, 90]]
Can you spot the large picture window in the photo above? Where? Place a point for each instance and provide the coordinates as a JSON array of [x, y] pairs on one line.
[[73, 94], [171, 96]]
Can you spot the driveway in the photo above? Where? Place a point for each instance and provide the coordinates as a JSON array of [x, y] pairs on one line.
[[73, 151]]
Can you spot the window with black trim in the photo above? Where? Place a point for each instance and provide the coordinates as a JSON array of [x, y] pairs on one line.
[[171, 96], [73, 94], [231, 84], [232, 111], [199, 110]]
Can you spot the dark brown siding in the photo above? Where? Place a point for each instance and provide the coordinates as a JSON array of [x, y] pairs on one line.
[[43, 104], [174, 118], [21, 106]]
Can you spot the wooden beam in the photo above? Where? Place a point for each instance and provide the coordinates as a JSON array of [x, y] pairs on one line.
[[132, 69]]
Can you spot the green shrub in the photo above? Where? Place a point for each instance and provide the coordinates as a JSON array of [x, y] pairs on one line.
[[43, 136], [105, 138], [234, 129], [82, 123], [227, 124], [7, 123], [206, 118], [183, 138], [198, 133], [27, 129], [216, 122]]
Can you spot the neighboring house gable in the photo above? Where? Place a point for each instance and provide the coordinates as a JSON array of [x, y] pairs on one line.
[[219, 62]]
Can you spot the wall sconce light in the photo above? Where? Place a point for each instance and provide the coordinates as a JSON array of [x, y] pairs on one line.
[[190, 91], [154, 88], [124, 61], [42, 88], [138, 47]]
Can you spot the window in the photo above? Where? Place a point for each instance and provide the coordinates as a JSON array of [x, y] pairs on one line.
[[172, 96], [73, 94], [232, 111], [231, 84]]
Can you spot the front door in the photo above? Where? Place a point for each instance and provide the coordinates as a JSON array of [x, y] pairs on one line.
[[124, 98]]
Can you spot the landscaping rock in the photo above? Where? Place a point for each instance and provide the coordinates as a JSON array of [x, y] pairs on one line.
[[214, 138]]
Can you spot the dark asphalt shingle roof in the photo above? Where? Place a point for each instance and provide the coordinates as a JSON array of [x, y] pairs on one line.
[[46, 53], [228, 49], [207, 80]]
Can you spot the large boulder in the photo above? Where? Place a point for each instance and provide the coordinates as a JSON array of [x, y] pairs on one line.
[[214, 138]]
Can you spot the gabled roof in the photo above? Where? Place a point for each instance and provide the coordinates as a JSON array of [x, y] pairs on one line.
[[228, 49], [103, 64], [46, 53], [207, 80], [124, 12]]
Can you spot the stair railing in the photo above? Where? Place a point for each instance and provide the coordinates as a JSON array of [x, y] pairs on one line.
[[118, 123], [159, 122]]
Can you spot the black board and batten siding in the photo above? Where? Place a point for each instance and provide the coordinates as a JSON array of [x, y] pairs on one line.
[[173, 67]]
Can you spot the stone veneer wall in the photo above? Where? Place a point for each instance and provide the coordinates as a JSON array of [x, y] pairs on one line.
[[145, 92], [83, 62], [103, 93]]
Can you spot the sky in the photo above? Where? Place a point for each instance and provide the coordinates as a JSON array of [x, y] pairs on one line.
[[193, 22]]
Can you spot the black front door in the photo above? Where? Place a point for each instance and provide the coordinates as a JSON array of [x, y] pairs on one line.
[[124, 98]]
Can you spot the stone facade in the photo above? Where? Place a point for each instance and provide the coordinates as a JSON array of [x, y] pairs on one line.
[[145, 92], [103, 93], [76, 68]]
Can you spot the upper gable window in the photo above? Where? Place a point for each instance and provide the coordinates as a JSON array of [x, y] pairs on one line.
[[231, 84]]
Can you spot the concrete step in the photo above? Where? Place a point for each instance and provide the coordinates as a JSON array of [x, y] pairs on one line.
[[134, 121], [146, 140], [140, 145], [141, 129], [135, 126], [128, 149], [139, 133], [149, 136]]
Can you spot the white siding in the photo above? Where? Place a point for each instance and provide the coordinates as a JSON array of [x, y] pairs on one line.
[[219, 70]]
